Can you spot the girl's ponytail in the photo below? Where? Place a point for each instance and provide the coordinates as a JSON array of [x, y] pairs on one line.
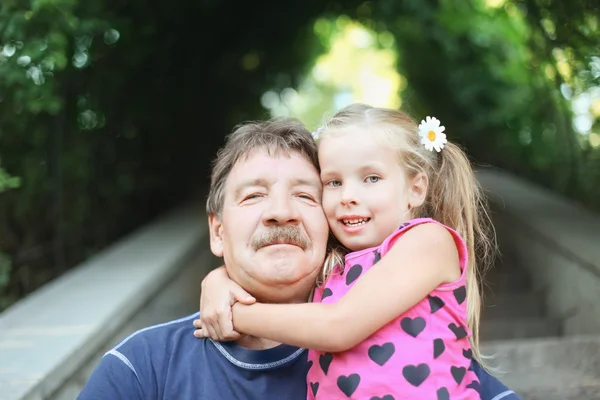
[[456, 199]]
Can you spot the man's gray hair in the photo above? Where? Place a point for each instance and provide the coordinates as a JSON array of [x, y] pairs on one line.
[[276, 135]]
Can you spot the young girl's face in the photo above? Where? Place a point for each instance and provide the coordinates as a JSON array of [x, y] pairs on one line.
[[365, 190]]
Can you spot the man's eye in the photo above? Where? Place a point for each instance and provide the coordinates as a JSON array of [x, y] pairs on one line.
[[373, 179], [252, 196], [307, 197]]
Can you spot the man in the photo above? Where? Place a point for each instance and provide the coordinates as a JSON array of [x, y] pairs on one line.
[[266, 222]]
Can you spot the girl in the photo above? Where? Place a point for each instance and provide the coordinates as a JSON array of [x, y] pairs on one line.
[[395, 313]]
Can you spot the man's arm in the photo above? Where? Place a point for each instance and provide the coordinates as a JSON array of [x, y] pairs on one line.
[[490, 387], [113, 379]]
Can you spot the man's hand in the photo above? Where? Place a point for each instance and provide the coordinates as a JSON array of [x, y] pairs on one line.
[[218, 294]]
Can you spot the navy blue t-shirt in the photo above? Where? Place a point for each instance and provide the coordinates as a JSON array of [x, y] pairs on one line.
[[167, 362]]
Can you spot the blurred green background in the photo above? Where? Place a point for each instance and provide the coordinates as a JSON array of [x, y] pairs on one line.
[[111, 111]]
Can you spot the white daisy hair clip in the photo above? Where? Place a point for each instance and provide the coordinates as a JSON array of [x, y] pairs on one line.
[[432, 134]]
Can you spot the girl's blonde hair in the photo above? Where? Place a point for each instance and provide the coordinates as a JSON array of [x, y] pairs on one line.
[[454, 196]]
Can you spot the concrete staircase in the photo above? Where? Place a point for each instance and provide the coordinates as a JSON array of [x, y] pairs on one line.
[[566, 368], [530, 354], [512, 309]]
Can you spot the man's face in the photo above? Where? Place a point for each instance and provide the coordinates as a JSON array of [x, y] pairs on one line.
[[272, 232]]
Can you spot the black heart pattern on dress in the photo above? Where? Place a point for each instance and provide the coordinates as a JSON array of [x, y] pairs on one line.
[[458, 331], [413, 326], [438, 347], [460, 294], [416, 374], [314, 387], [309, 364], [386, 397], [353, 273], [458, 373], [435, 303], [326, 293], [348, 384], [475, 385], [377, 257], [325, 361], [468, 354], [442, 394], [404, 225], [381, 354]]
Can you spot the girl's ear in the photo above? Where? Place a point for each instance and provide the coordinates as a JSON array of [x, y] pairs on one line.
[[417, 192]]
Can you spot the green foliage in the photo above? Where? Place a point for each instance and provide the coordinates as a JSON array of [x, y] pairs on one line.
[[5, 267], [110, 110], [39, 45], [501, 76], [8, 182]]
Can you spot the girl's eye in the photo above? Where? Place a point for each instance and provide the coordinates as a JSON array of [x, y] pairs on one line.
[[373, 179], [334, 183]]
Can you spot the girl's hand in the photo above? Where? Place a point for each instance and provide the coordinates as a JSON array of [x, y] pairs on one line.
[[218, 294]]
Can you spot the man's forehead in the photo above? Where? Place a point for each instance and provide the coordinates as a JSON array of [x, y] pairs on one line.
[[273, 153], [263, 166]]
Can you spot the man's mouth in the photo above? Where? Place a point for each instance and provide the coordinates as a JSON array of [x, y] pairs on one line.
[[282, 235], [283, 242], [355, 221]]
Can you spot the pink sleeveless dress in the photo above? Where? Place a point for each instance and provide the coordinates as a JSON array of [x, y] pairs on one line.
[[422, 354]]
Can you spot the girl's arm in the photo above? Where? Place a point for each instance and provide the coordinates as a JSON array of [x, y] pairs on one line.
[[421, 259], [218, 293]]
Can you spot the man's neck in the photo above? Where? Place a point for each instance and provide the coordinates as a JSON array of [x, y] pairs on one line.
[[283, 297], [255, 343]]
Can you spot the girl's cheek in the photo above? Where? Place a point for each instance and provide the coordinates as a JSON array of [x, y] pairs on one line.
[[328, 204]]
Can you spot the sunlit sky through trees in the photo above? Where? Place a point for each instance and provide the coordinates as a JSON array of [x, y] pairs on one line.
[[361, 65]]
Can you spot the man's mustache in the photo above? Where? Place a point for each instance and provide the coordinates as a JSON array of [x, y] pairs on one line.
[[281, 235]]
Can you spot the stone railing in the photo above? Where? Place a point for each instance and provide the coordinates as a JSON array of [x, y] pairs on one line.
[[50, 341]]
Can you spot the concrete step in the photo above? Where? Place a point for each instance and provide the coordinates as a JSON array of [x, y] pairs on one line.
[[570, 391], [565, 368], [507, 260], [554, 383], [502, 279], [513, 305], [518, 328]]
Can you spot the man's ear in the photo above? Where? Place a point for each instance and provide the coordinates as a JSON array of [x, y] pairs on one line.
[[417, 193], [215, 228]]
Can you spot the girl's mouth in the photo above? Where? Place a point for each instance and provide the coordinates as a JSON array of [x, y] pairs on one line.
[[353, 222]]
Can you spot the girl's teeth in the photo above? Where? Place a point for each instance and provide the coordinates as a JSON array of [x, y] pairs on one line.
[[354, 222]]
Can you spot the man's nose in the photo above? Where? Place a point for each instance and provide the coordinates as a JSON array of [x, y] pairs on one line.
[[281, 210]]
